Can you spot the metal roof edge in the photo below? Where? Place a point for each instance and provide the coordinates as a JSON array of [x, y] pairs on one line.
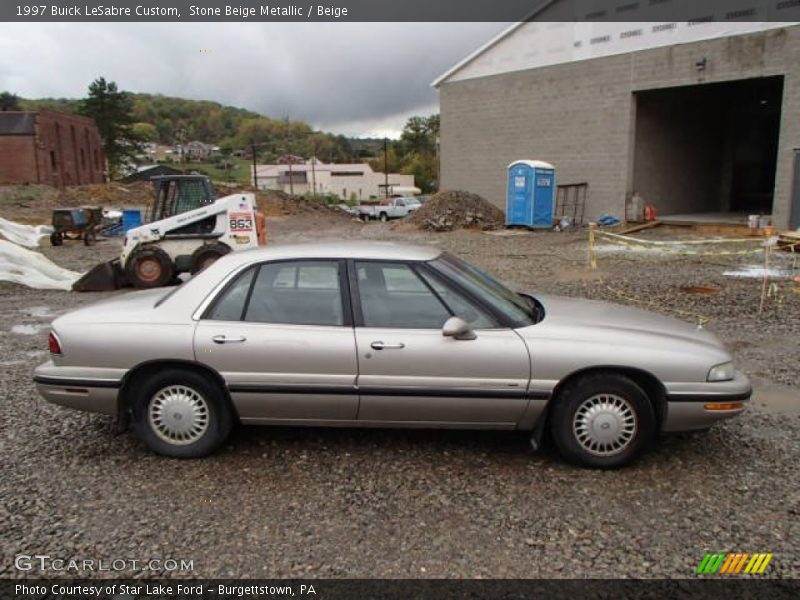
[[500, 36]]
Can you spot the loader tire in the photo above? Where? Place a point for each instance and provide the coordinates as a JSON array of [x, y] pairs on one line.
[[149, 268], [56, 239], [89, 237], [205, 256]]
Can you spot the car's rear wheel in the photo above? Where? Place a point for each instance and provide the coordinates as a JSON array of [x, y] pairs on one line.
[[182, 414], [603, 421], [383, 217]]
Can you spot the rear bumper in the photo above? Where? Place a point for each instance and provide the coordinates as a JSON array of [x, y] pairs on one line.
[[92, 392], [699, 406]]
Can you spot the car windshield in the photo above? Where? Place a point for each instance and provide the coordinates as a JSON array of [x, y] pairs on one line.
[[521, 310]]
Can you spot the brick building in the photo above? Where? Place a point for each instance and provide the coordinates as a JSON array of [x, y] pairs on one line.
[[700, 118], [49, 147]]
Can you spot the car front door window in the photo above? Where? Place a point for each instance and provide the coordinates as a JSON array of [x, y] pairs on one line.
[[393, 295]]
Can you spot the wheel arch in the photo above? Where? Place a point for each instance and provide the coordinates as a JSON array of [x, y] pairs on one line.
[[151, 366], [651, 385]]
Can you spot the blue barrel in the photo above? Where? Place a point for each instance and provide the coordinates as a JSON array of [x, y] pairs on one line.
[[131, 217]]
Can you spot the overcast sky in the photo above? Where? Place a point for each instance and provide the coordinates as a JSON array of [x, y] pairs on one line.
[[361, 79]]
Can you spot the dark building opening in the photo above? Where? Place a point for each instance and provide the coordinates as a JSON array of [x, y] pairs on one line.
[[709, 150]]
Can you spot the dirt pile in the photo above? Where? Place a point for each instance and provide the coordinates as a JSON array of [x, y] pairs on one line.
[[109, 195], [33, 204], [454, 209], [274, 203]]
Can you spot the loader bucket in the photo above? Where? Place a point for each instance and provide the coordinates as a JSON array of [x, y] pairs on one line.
[[104, 277]]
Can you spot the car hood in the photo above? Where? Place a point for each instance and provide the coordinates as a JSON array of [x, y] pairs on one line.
[[578, 316]]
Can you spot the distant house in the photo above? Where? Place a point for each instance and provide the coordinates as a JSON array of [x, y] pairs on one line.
[[342, 180], [50, 147], [198, 151], [160, 152]]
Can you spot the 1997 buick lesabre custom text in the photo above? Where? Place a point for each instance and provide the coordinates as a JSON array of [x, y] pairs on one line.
[[385, 335]]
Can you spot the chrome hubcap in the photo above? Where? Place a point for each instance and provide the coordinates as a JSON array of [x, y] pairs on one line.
[[604, 424], [178, 415]]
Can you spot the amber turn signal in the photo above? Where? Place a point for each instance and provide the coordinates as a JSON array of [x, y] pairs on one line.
[[724, 406]]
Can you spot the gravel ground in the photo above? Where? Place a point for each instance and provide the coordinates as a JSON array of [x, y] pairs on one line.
[[345, 503]]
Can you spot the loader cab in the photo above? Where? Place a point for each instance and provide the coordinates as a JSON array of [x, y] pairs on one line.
[[176, 194]]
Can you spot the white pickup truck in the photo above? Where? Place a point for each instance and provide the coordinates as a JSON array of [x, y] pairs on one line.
[[391, 208]]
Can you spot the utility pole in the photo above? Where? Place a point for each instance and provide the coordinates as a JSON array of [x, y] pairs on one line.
[[289, 157], [386, 167], [255, 172], [314, 166]]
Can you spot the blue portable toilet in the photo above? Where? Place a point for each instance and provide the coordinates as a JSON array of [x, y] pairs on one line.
[[531, 194], [131, 217]]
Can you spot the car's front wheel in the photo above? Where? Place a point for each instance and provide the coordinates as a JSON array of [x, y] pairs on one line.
[[602, 421], [182, 414]]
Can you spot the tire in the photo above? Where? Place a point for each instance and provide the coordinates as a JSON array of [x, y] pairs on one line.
[[56, 239], [383, 217], [586, 408], [149, 268], [194, 419], [89, 237], [205, 256]]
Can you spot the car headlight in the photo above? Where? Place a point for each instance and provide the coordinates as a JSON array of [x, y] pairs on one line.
[[723, 372]]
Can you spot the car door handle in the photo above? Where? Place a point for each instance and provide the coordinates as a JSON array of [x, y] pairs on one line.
[[221, 339], [382, 346]]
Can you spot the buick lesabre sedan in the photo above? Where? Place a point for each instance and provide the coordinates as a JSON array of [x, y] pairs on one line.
[[385, 335]]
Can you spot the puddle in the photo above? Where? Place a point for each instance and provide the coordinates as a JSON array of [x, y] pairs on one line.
[[758, 272], [38, 311], [777, 398], [28, 329]]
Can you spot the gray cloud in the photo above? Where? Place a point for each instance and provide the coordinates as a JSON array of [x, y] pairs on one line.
[[352, 78]]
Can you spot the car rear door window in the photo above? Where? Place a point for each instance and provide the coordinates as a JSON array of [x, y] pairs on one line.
[[297, 293], [230, 306], [393, 295]]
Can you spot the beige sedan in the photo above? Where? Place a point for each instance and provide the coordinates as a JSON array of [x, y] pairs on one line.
[[385, 335]]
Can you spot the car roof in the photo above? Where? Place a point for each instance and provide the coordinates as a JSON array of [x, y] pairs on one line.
[[356, 249]]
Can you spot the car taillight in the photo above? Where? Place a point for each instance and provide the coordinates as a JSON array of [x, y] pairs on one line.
[[55, 345]]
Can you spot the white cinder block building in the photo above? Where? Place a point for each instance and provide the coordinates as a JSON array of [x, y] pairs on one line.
[[356, 180], [699, 118]]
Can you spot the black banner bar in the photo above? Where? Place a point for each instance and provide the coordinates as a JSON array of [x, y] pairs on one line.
[[399, 10], [738, 587]]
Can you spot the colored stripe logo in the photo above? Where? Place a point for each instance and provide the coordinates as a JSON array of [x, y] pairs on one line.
[[733, 563]]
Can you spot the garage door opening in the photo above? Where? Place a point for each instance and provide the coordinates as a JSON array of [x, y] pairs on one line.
[[708, 153]]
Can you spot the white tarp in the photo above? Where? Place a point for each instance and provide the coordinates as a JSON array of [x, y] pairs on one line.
[[25, 235], [32, 269]]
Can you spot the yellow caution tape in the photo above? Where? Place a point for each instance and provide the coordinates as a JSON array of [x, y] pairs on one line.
[[701, 319], [666, 250], [680, 242]]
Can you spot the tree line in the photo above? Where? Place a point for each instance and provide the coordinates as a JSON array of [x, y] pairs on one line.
[[127, 120]]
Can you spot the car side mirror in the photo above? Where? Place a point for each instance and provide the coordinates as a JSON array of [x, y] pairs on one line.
[[458, 329]]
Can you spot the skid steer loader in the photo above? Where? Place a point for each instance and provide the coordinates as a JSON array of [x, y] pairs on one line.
[[187, 230]]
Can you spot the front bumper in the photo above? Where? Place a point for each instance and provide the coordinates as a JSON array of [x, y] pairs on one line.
[[687, 403], [90, 390]]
